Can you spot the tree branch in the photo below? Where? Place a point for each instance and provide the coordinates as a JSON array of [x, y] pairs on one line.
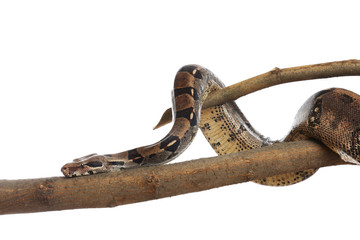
[[275, 77], [142, 184], [148, 183]]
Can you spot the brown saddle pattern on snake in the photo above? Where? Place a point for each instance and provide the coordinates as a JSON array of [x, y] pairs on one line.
[[331, 116]]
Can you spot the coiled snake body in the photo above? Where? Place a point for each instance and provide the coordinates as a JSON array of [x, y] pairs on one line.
[[330, 116]]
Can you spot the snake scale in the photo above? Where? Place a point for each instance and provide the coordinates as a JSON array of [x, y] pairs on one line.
[[331, 116]]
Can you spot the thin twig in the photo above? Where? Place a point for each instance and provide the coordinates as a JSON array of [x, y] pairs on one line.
[[148, 183], [275, 77]]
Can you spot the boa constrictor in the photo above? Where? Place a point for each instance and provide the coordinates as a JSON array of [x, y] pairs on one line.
[[330, 116]]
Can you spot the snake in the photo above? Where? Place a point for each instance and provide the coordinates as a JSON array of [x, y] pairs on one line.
[[331, 116]]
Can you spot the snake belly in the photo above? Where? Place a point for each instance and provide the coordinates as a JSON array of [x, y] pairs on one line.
[[330, 116]]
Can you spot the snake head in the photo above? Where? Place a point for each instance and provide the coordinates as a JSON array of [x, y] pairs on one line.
[[87, 165]]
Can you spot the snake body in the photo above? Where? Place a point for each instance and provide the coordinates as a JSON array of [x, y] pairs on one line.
[[331, 116], [191, 86]]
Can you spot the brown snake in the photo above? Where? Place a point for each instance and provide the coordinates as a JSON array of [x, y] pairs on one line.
[[331, 116]]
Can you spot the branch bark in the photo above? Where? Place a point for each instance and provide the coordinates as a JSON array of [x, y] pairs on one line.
[[142, 184], [148, 183], [275, 77]]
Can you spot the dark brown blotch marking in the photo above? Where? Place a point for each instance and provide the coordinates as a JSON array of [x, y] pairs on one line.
[[187, 90], [170, 143], [135, 156], [94, 164], [117, 163], [189, 114], [193, 70], [347, 99]]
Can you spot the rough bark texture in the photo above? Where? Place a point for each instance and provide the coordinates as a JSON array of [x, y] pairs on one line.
[[275, 77], [148, 183], [142, 184]]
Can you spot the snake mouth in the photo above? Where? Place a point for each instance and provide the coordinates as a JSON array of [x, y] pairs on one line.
[[75, 172], [70, 171]]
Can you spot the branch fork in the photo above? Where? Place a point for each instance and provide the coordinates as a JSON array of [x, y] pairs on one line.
[[148, 183]]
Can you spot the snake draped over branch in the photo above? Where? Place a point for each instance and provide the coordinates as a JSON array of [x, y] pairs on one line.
[[331, 116]]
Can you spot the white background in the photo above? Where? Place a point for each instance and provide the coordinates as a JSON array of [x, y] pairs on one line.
[[78, 77]]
